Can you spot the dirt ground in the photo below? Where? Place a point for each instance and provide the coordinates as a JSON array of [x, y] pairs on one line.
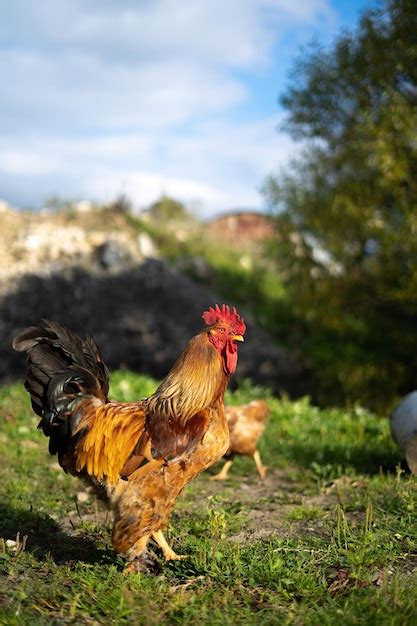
[[262, 509]]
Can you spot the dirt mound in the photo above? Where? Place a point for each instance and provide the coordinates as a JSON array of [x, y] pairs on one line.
[[141, 317]]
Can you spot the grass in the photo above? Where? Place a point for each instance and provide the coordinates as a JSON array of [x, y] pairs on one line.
[[330, 537]]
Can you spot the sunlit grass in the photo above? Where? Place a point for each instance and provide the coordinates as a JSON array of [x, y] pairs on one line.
[[328, 538]]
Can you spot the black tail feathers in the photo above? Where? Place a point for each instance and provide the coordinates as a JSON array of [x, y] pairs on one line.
[[63, 369]]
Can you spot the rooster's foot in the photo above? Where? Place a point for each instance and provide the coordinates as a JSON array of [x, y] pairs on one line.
[[167, 551]]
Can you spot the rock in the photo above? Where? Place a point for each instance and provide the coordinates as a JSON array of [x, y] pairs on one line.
[[11, 545], [46, 247], [83, 206], [5, 207], [82, 496], [146, 246], [47, 242], [114, 254]]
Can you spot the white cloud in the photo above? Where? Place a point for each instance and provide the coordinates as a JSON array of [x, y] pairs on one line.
[[218, 32], [144, 186], [21, 163], [79, 93], [145, 96], [219, 166]]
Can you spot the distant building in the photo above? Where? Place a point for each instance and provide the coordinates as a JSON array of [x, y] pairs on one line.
[[241, 227]]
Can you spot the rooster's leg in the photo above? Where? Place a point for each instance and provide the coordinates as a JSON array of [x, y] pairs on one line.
[[222, 475], [259, 465], [167, 551]]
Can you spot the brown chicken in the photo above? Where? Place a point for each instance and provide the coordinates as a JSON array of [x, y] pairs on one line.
[[246, 425], [139, 455]]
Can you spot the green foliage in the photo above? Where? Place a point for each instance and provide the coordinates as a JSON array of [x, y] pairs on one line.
[[245, 279], [347, 209], [57, 204], [167, 210], [328, 538]]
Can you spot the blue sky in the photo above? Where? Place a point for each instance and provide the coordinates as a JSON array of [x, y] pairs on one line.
[[102, 97]]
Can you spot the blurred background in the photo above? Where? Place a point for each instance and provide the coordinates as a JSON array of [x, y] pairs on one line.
[[158, 157]]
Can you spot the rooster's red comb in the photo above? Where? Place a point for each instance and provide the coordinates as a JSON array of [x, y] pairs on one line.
[[217, 314]]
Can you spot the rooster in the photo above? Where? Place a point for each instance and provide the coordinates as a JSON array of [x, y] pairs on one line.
[[246, 425], [139, 455]]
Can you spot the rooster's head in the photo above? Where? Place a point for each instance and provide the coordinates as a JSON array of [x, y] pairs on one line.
[[225, 328]]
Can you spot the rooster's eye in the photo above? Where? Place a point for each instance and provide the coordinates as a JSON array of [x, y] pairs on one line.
[[221, 330]]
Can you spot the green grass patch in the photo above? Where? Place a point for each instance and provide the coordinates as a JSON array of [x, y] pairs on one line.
[[329, 537]]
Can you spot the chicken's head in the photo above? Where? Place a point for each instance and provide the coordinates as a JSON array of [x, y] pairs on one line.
[[225, 328]]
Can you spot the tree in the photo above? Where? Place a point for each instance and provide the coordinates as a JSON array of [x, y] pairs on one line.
[[168, 210], [347, 209]]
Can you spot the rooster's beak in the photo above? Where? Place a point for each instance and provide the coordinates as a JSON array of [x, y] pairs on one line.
[[237, 338]]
